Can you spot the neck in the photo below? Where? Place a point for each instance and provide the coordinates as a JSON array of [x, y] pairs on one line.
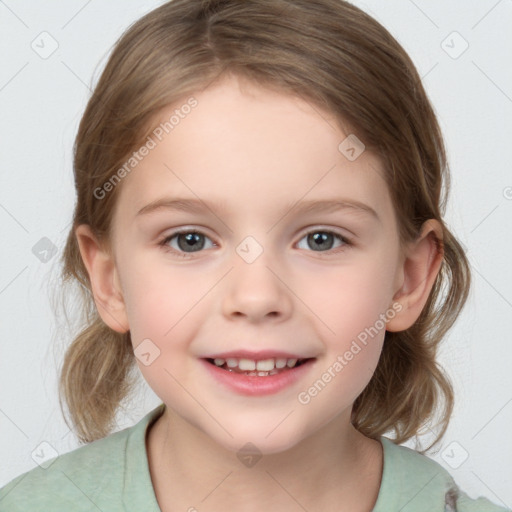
[[335, 469]]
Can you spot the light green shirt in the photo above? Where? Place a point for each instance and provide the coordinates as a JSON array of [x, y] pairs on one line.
[[112, 474]]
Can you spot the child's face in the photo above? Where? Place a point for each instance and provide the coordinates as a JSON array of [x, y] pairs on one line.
[[250, 155]]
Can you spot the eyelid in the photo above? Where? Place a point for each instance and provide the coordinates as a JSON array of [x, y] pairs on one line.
[[331, 229]]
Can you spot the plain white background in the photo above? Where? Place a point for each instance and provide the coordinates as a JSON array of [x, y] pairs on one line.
[[42, 98]]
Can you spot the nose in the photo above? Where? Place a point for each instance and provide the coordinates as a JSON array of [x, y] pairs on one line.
[[257, 292]]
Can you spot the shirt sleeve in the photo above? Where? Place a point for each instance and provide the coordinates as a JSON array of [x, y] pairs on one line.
[[458, 501]]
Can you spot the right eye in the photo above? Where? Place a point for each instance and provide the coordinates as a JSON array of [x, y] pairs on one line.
[[185, 239]]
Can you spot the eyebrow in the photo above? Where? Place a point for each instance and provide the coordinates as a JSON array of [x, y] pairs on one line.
[[192, 205]]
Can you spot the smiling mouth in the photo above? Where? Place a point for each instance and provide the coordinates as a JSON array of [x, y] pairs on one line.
[[260, 368]]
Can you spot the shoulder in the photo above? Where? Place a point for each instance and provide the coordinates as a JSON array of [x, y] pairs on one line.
[[464, 503], [416, 483], [67, 479], [91, 476]]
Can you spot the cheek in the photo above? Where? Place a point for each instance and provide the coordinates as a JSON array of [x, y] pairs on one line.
[[162, 310], [349, 299], [353, 331], [157, 297], [352, 304]]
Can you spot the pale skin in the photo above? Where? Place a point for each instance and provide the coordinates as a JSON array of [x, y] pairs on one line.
[[256, 152]]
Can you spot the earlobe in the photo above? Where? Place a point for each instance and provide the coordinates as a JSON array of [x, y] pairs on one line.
[[104, 279], [420, 268]]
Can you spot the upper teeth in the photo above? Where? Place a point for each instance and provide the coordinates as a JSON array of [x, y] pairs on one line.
[[264, 365]]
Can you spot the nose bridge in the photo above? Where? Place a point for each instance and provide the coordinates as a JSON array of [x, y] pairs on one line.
[[254, 289]]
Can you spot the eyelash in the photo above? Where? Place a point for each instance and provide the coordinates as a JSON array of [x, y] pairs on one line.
[[163, 243]]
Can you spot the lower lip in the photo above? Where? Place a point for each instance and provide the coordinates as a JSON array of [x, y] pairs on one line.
[[255, 385]]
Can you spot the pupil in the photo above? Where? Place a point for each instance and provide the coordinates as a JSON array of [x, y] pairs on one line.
[[319, 238], [190, 240]]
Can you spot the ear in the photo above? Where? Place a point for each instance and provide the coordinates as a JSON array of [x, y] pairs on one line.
[[422, 262], [104, 279]]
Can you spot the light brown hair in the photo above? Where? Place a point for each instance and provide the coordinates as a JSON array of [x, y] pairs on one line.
[[339, 59]]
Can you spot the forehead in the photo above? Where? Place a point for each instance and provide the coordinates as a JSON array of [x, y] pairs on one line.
[[250, 148]]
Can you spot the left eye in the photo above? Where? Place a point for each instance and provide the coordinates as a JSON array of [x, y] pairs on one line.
[[322, 241]]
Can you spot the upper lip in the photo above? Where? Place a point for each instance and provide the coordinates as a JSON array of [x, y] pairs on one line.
[[256, 355]]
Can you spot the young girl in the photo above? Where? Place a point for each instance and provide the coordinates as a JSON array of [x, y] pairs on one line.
[[258, 131]]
